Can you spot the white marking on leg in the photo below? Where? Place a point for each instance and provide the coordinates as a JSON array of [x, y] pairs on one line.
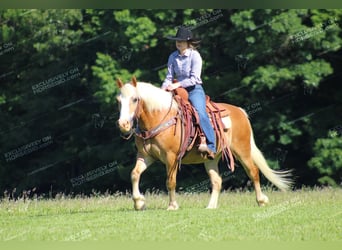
[[139, 200], [216, 183]]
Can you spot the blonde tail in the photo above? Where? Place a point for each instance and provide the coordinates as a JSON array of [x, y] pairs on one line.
[[279, 178]]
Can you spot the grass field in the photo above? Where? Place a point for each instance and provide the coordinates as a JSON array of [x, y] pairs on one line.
[[303, 215]]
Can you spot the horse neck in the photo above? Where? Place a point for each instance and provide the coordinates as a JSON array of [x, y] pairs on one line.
[[148, 120]]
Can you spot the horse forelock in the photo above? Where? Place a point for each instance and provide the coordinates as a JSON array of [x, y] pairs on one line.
[[155, 98], [127, 90]]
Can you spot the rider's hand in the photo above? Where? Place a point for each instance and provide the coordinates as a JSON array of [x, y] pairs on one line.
[[173, 86]]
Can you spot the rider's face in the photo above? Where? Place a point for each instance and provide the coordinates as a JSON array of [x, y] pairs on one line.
[[181, 45]]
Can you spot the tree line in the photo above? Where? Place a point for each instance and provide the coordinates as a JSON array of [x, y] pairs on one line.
[[57, 91]]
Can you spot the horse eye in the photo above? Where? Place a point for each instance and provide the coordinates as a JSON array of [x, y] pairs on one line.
[[135, 99]]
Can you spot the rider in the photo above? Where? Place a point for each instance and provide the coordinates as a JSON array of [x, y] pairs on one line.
[[185, 66]]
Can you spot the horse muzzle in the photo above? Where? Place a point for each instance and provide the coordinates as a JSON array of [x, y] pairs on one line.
[[125, 126]]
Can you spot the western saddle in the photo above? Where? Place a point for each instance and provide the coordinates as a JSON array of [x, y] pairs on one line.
[[191, 129]]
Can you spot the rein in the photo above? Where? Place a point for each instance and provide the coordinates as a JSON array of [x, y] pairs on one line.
[[156, 130], [131, 133]]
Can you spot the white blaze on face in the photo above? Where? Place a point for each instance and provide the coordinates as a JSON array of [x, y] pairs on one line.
[[127, 109], [125, 113]]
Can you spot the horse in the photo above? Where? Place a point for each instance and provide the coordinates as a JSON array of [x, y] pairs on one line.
[[155, 111]]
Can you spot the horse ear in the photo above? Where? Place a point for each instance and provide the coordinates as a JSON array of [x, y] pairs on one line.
[[119, 82], [134, 81]]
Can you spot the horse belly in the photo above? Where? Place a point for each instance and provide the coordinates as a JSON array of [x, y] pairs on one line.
[[193, 157]]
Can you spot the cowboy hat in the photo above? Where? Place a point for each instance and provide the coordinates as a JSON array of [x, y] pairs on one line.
[[183, 34]]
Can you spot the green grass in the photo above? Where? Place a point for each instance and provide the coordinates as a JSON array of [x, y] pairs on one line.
[[303, 215]]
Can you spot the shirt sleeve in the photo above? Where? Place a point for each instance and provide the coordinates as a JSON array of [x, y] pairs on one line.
[[195, 71], [170, 72]]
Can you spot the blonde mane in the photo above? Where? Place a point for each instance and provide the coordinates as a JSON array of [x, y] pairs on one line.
[[155, 98]]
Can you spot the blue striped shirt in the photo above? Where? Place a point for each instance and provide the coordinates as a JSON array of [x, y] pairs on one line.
[[185, 68]]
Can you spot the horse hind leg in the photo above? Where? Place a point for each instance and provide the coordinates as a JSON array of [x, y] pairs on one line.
[[242, 145], [216, 182], [253, 160], [252, 171]]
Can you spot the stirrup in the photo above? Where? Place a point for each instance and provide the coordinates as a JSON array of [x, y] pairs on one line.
[[203, 147]]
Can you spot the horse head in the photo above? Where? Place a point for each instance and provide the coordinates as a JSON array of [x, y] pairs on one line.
[[128, 104]]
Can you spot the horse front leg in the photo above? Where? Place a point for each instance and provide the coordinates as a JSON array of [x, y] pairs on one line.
[[171, 187], [140, 166]]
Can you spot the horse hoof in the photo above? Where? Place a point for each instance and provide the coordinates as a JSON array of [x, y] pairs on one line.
[[139, 203], [173, 207], [140, 207], [263, 201]]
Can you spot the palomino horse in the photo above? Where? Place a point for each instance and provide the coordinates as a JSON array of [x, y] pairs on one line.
[[154, 110]]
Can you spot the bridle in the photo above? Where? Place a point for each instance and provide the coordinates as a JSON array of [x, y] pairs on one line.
[[147, 134], [128, 135]]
